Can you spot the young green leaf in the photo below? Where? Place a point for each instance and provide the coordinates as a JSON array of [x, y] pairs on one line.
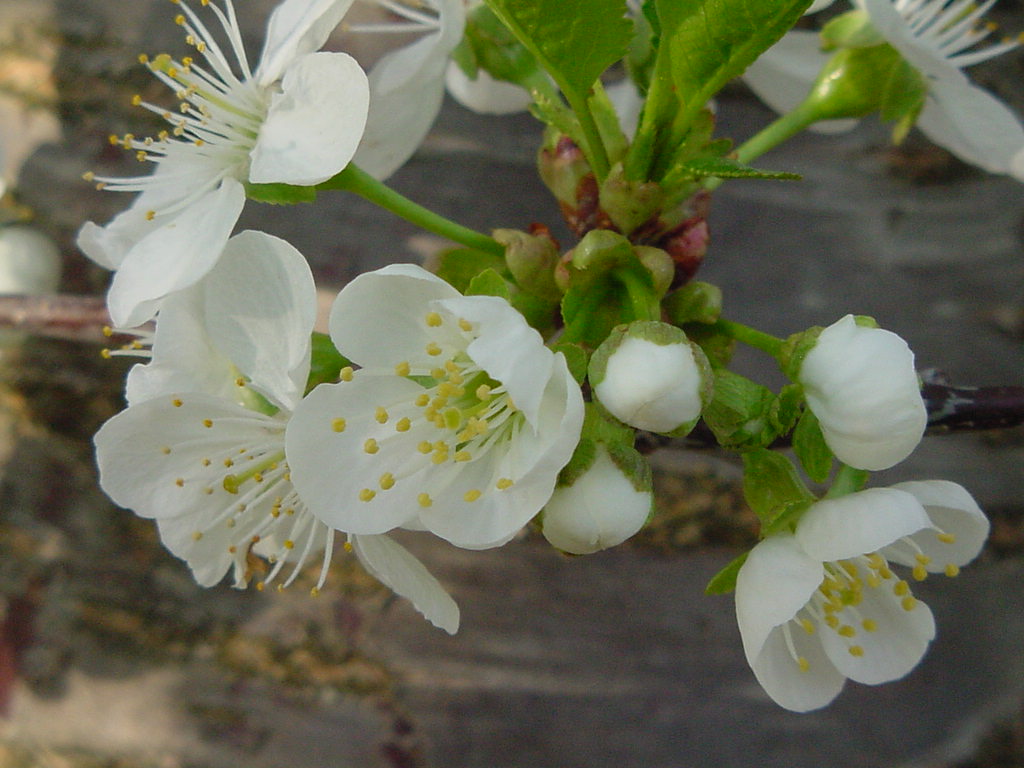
[[809, 446], [726, 168], [459, 266], [771, 484], [724, 582], [489, 283], [325, 362]]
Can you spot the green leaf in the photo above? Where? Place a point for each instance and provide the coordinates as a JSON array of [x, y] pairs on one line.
[[279, 194], [489, 283], [738, 413], [727, 168], [325, 362], [576, 358], [459, 266], [786, 408], [771, 484], [809, 446], [710, 42], [724, 582], [575, 40], [492, 47]]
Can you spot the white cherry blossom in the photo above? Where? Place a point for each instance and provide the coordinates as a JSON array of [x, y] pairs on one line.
[[458, 421], [295, 118], [821, 605], [201, 446]]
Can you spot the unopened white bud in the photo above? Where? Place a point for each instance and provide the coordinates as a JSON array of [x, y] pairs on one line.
[[650, 376], [861, 385], [29, 262], [601, 509]]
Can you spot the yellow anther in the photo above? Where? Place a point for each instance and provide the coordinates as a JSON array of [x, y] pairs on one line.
[[422, 400], [920, 573], [381, 415], [366, 494], [433, 349], [180, 482], [425, 447], [289, 544], [228, 462], [347, 546], [439, 402], [403, 424], [856, 650], [832, 621], [201, 46], [451, 366], [89, 176], [462, 456], [504, 483], [207, 423], [346, 373], [114, 139], [258, 477], [947, 538], [870, 625], [472, 495], [908, 603], [440, 457], [165, 450], [807, 625], [105, 354], [439, 422], [314, 592], [387, 481], [922, 558], [150, 214], [143, 58], [187, 63], [180, 20], [446, 389], [370, 446], [403, 368], [199, 143], [850, 568], [424, 500], [204, 462], [952, 570], [901, 588], [803, 663], [465, 325], [885, 573], [197, 535], [136, 100], [437, 373], [260, 586], [483, 392], [434, 319], [846, 631]]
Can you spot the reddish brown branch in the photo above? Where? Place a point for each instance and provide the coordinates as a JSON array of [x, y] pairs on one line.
[[76, 318]]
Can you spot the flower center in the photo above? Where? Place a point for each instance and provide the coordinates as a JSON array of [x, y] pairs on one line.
[[953, 29], [214, 127]]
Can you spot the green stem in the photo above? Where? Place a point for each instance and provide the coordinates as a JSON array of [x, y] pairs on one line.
[[750, 336], [847, 480], [595, 149], [352, 179], [641, 297]]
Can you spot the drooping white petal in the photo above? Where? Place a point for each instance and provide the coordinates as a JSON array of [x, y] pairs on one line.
[[506, 347], [776, 581], [314, 122], [175, 255], [796, 689], [379, 318], [297, 27], [485, 95], [858, 523], [406, 576], [260, 307], [960, 527], [897, 642], [783, 75], [818, 5]]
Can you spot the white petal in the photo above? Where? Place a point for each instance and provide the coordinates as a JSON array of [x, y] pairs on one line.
[[952, 510], [507, 348], [776, 581], [789, 686], [818, 5], [859, 523], [485, 95], [628, 103], [174, 256], [973, 125], [260, 308], [379, 318], [314, 123], [405, 575], [297, 27], [184, 359], [406, 88], [893, 649], [782, 77]]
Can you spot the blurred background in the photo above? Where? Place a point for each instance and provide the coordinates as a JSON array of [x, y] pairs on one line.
[[111, 657]]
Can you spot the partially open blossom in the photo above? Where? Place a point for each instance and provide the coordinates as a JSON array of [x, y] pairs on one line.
[[201, 446], [296, 118], [650, 376], [458, 421], [602, 509], [821, 605], [861, 384]]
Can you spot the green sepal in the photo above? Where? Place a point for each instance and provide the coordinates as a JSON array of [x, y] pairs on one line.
[[598, 427], [539, 313], [738, 413], [629, 204], [279, 194], [795, 349], [785, 408], [810, 448], [717, 346], [771, 484], [850, 30], [847, 480], [459, 266], [786, 518], [609, 126], [727, 168], [724, 582], [325, 361], [695, 302], [489, 283], [531, 259], [576, 358]]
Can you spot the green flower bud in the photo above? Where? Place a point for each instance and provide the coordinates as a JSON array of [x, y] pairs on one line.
[[531, 259]]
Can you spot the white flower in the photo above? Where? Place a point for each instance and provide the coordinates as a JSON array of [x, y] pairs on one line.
[[407, 85], [861, 385], [822, 605], [601, 509], [938, 38], [458, 422], [649, 376], [201, 446], [296, 119]]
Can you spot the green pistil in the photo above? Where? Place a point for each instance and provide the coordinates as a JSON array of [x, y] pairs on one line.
[[233, 482]]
